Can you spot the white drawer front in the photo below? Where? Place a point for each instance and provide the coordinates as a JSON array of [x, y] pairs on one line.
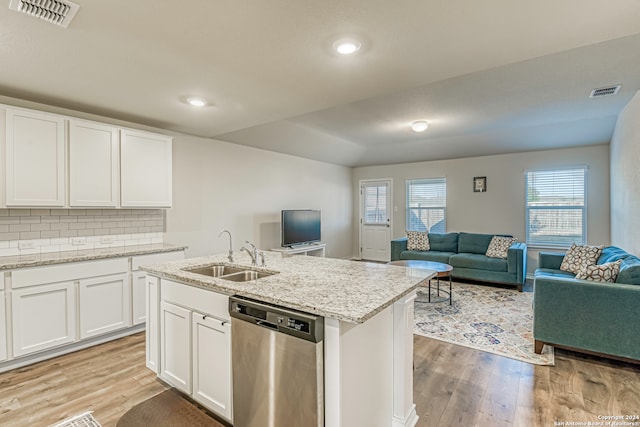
[[67, 272], [206, 302]]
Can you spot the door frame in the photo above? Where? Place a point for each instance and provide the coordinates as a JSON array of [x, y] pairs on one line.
[[361, 212]]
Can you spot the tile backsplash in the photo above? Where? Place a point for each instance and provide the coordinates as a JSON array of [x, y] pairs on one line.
[[32, 231]]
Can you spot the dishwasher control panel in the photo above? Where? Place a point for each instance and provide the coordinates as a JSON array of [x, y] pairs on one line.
[[299, 324]]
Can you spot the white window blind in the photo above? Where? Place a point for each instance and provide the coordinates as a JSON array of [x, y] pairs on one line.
[[375, 203], [556, 209], [427, 205]]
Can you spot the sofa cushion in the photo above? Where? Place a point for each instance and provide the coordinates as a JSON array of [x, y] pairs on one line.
[[607, 272], [577, 257], [417, 241], [499, 246], [629, 271], [551, 273], [444, 242], [612, 253], [478, 262], [435, 256], [474, 243]]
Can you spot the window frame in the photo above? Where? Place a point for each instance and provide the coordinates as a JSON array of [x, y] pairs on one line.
[[582, 208], [415, 181]]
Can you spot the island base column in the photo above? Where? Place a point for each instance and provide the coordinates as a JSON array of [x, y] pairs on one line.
[[404, 409]]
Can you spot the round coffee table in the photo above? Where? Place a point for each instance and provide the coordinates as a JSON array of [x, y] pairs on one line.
[[442, 270]]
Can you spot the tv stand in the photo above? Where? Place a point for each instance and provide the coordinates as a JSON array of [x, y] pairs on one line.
[[318, 249]]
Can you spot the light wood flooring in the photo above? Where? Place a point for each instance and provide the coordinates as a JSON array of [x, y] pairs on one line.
[[453, 386]]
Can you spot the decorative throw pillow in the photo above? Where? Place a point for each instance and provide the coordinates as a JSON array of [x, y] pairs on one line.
[[417, 241], [499, 246], [600, 272], [578, 257]]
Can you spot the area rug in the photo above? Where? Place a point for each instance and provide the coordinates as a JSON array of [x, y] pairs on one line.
[[492, 319], [167, 409], [81, 420]]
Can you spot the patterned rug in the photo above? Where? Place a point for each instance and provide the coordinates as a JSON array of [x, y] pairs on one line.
[[496, 320]]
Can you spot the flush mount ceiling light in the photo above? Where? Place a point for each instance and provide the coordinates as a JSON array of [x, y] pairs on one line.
[[196, 102], [347, 46], [419, 125]]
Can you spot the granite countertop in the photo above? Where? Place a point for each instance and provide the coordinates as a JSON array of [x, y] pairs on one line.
[[351, 291], [49, 258]]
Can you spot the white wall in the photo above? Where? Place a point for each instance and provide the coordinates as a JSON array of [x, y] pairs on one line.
[[625, 178], [502, 208], [218, 185]]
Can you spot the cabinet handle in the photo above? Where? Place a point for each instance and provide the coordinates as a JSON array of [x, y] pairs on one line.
[[204, 316], [222, 322]]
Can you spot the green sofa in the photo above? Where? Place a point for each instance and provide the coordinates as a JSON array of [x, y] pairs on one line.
[[588, 316], [465, 252]]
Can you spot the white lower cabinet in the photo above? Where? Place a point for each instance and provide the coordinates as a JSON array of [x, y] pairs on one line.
[[104, 305], [211, 363], [175, 346], [195, 344], [3, 328], [138, 299], [43, 317]]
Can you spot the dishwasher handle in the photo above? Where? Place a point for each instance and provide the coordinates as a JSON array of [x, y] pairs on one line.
[[267, 325]]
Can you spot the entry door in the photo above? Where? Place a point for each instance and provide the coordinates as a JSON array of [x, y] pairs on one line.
[[375, 220]]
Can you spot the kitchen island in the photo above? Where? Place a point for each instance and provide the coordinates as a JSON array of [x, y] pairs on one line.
[[368, 330]]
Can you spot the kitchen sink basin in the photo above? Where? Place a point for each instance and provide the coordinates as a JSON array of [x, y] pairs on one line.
[[232, 273]]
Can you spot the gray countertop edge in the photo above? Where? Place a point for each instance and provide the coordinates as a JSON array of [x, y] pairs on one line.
[[212, 285], [52, 258]]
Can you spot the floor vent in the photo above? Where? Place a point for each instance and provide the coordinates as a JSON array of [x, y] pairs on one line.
[[59, 12], [605, 91]]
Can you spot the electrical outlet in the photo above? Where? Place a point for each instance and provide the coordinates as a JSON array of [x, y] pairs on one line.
[[105, 240], [26, 244], [77, 241]]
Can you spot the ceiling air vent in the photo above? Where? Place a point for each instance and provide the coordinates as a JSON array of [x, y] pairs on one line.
[[605, 91], [59, 12]]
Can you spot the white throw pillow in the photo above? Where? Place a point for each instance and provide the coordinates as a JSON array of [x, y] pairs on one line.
[[499, 246], [578, 257], [607, 272], [417, 241]]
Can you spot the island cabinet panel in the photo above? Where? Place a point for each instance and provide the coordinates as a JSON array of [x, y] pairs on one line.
[[93, 164], [43, 317], [104, 305], [145, 169], [152, 338], [212, 363], [175, 346], [35, 159], [3, 327]]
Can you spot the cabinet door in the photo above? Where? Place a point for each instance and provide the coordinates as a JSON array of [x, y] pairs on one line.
[[43, 316], [145, 169], [35, 159], [212, 363], [104, 305], [93, 164], [138, 300], [3, 328], [153, 320], [175, 346]]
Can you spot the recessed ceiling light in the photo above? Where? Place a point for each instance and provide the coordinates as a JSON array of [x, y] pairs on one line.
[[197, 102], [419, 125], [347, 46]]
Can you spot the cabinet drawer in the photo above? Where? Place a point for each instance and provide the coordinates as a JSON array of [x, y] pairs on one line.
[[206, 302], [67, 272], [139, 260]]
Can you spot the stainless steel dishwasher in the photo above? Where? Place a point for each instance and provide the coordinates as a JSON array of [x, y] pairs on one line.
[[277, 359]]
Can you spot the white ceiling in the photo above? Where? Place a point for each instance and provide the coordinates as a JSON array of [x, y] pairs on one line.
[[491, 77]]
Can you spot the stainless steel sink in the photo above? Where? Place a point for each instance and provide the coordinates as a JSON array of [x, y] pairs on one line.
[[232, 273]]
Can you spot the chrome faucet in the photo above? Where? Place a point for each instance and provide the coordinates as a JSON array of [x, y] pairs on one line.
[[263, 263], [253, 253], [230, 256]]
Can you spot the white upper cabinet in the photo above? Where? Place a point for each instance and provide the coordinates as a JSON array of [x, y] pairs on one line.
[[35, 159], [145, 169], [93, 164]]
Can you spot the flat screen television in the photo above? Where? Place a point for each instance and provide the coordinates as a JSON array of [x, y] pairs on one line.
[[300, 226]]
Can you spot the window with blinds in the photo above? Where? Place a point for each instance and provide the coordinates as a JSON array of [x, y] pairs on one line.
[[556, 209], [375, 203], [427, 205]]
